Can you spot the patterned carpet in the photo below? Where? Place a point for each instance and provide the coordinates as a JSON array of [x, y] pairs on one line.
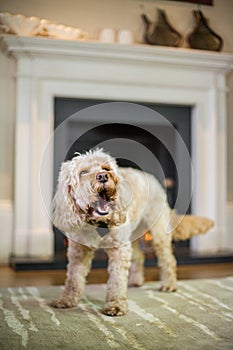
[[198, 316]]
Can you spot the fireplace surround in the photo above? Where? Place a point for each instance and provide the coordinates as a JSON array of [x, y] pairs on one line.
[[130, 133], [44, 69]]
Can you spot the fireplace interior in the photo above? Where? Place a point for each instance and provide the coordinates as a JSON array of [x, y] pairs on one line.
[[67, 112]]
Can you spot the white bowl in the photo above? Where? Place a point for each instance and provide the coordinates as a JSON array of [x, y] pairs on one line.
[[60, 31], [19, 24]]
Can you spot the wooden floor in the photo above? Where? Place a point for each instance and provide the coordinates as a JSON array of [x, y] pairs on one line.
[[10, 278]]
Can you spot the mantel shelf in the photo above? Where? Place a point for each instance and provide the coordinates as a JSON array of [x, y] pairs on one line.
[[17, 47]]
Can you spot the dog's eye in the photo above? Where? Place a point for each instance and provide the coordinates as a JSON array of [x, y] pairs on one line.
[[106, 168], [83, 172]]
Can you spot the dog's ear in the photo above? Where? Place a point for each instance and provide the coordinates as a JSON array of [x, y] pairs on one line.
[[66, 212], [123, 198]]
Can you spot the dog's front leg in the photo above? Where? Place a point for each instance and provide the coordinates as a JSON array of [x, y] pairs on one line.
[[118, 269], [162, 242], [136, 273], [79, 258]]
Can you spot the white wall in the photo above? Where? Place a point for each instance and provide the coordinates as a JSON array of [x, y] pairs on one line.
[[7, 88], [6, 128], [6, 216], [230, 139]]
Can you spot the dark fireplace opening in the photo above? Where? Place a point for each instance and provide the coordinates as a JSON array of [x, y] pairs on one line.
[[178, 116]]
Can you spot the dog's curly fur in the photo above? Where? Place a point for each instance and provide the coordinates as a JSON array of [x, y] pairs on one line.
[[93, 191]]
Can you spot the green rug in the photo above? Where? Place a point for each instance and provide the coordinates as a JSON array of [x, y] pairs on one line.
[[198, 316]]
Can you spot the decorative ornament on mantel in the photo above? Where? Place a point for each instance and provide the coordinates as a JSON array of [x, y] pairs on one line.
[[161, 33], [35, 26], [19, 24], [203, 37]]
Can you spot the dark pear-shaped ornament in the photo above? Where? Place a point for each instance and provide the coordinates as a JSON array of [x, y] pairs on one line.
[[161, 32], [203, 37]]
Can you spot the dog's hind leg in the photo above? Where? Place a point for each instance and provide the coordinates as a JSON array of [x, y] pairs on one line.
[[162, 243], [80, 258], [118, 268], [136, 271]]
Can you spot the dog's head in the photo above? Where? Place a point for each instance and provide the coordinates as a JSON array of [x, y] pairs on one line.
[[88, 192]]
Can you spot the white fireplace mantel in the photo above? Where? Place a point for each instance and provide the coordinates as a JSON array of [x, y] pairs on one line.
[[46, 68], [49, 48]]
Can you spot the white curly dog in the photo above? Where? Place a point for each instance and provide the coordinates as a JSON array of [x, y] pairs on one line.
[[93, 191]]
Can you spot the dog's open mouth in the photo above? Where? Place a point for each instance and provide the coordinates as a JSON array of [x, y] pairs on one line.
[[102, 206]]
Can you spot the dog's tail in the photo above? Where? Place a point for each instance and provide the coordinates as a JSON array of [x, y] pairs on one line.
[[188, 226]]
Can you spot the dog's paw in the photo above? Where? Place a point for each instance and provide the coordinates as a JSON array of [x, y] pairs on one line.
[[135, 280], [168, 288], [64, 303], [115, 310]]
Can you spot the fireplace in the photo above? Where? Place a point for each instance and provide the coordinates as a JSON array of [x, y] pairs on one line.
[[42, 69], [76, 116]]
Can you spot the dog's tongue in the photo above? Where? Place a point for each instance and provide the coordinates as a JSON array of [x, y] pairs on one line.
[[102, 207]]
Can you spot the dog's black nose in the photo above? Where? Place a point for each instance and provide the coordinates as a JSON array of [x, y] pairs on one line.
[[102, 177]]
